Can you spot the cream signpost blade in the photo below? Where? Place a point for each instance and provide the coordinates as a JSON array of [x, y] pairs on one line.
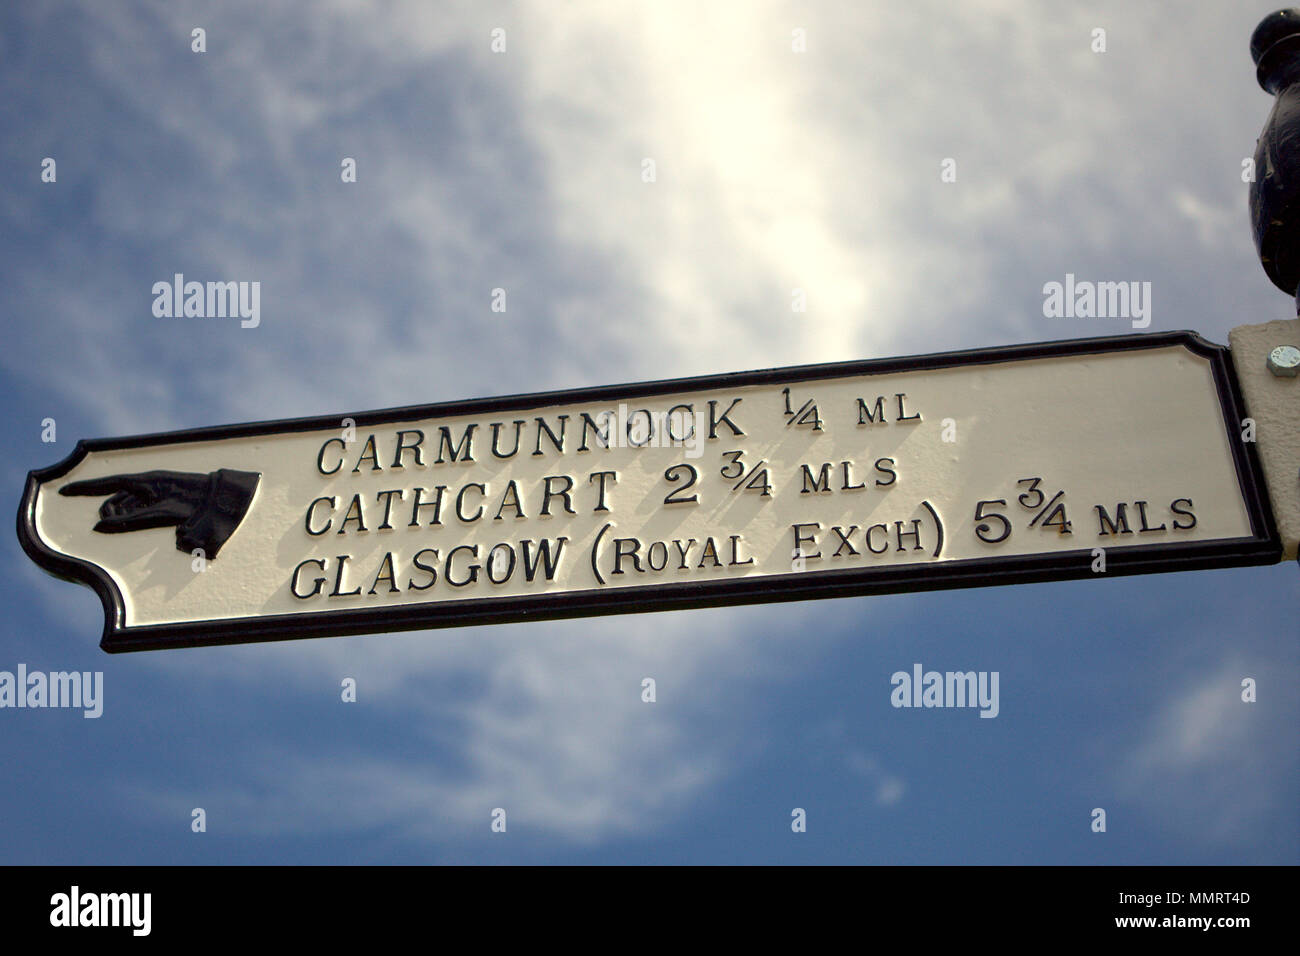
[[1074, 459]]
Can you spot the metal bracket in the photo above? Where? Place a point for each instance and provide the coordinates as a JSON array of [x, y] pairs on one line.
[[1273, 403]]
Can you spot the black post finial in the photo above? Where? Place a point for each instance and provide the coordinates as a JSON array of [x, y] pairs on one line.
[[1275, 189]]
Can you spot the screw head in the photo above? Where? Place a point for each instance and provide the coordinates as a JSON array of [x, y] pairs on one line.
[[1284, 361]]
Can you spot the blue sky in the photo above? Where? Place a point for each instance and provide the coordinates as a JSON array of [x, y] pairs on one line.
[[522, 170]]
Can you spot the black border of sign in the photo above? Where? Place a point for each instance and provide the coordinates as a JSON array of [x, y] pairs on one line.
[[1262, 547]]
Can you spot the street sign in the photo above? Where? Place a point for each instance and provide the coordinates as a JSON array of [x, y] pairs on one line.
[[1074, 459]]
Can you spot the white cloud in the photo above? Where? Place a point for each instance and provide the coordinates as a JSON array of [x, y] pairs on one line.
[[1204, 765], [548, 724], [775, 170], [888, 788]]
